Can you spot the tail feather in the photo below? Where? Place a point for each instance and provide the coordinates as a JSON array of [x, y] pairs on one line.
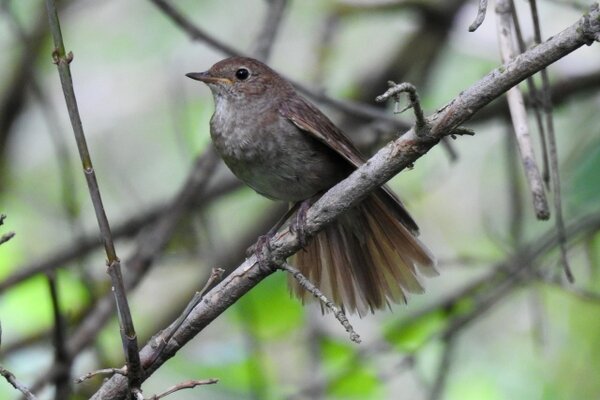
[[367, 258]]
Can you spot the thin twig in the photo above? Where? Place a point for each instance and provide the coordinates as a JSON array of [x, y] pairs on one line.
[[162, 340], [128, 335], [10, 377], [310, 287], [534, 98], [552, 152], [184, 385], [104, 371], [394, 91], [519, 116], [481, 11]]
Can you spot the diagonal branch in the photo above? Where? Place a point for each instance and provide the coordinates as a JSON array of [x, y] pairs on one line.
[[386, 163]]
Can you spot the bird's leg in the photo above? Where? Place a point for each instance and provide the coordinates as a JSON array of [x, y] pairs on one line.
[[298, 225], [262, 250], [262, 247]]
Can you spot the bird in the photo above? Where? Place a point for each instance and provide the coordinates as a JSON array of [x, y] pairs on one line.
[[285, 148]]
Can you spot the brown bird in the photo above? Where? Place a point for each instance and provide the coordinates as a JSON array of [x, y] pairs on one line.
[[284, 148]]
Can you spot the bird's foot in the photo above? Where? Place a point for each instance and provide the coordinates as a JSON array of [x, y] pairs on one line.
[[262, 250], [298, 225]]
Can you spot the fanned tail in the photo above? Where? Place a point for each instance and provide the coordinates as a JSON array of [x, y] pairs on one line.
[[366, 259]]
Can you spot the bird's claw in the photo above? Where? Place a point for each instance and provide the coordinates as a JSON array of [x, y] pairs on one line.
[[262, 250], [298, 225]]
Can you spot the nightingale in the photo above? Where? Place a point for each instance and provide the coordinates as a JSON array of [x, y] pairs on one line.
[[284, 148]]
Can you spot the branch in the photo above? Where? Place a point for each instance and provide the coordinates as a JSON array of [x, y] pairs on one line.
[[481, 10], [516, 104], [310, 287], [10, 378], [184, 385], [386, 163]]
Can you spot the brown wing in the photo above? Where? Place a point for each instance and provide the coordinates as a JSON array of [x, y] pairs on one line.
[[315, 123]]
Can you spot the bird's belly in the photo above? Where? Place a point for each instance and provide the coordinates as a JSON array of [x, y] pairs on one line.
[[291, 169], [275, 183]]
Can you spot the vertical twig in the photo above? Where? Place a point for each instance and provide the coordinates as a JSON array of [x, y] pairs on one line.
[[519, 116], [128, 335], [534, 97], [552, 151]]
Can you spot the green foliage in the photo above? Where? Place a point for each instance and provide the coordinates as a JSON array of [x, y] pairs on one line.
[[412, 335], [354, 377], [584, 186], [569, 376], [475, 387], [240, 376], [268, 311], [31, 295]]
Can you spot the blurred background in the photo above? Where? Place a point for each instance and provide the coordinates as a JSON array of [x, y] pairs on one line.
[[500, 322]]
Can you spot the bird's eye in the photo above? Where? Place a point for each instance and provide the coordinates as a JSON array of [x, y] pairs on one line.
[[242, 74]]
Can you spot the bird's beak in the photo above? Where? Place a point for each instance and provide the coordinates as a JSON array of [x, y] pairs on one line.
[[206, 77]]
